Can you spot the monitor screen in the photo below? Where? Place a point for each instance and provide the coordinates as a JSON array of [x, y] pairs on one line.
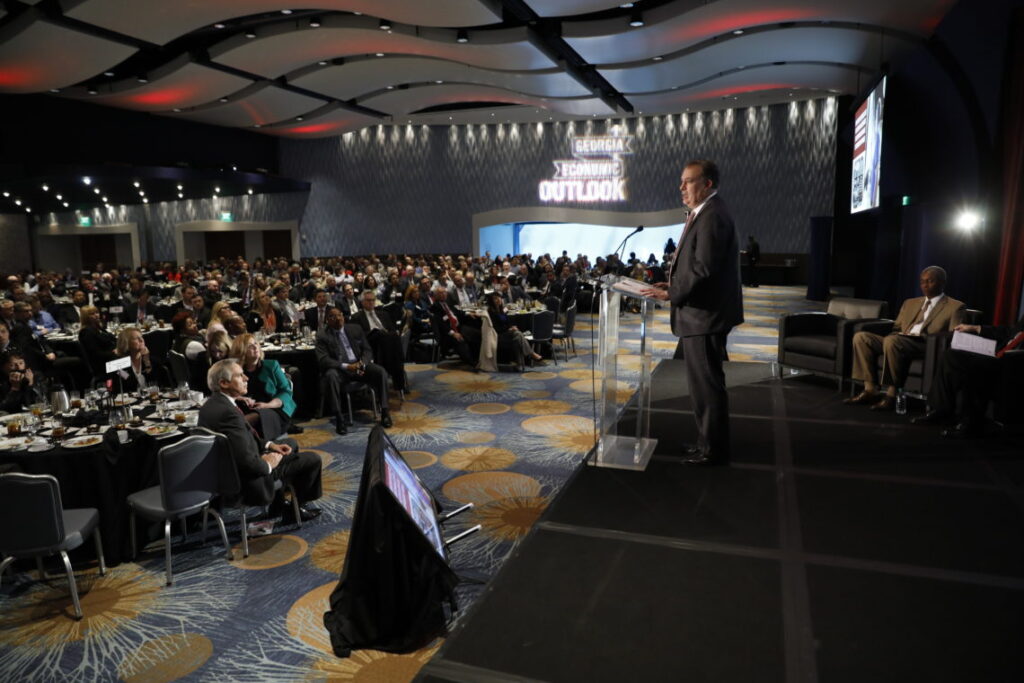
[[867, 150], [405, 486]]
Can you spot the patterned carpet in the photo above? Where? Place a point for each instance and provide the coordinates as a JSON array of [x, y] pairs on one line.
[[503, 441]]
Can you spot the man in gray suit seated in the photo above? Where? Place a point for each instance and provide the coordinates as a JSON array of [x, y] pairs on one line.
[[259, 463], [343, 355]]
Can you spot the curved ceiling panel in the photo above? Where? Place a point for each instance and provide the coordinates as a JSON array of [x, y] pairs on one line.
[[402, 102], [841, 46], [264, 105], [161, 21], [756, 86], [275, 53], [566, 8], [188, 86], [671, 27], [330, 124], [43, 56], [358, 77]]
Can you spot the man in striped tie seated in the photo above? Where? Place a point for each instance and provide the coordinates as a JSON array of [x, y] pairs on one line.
[[932, 313]]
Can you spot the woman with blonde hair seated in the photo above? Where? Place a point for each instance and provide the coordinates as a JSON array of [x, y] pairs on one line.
[[269, 401], [131, 343], [218, 345], [262, 316]]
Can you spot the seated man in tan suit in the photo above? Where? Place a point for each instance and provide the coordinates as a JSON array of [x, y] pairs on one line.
[[929, 314]]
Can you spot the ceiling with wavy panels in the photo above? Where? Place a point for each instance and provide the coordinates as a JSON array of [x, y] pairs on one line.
[[329, 67]]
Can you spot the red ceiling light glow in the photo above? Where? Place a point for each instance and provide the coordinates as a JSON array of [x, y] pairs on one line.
[[718, 25]]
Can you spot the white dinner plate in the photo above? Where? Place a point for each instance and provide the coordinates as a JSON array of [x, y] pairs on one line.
[[84, 441]]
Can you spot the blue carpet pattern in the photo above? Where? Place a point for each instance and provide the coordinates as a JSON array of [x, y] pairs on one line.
[[503, 441]]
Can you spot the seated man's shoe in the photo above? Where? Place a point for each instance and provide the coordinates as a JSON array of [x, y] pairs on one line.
[[691, 449], [861, 398], [385, 420], [339, 426], [307, 512], [886, 403], [295, 429], [964, 430], [933, 417]]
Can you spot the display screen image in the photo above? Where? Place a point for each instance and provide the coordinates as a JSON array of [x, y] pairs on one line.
[[405, 486], [867, 150]]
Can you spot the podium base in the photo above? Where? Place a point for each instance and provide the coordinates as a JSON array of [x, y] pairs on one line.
[[624, 452]]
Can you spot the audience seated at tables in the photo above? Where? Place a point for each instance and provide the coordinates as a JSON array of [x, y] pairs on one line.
[[268, 404], [343, 355], [288, 317], [974, 376], [200, 311], [187, 341], [18, 389], [933, 313], [140, 309], [316, 317], [455, 336], [263, 316], [41, 318], [131, 343], [382, 333], [259, 461], [509, 336], [220, 311]]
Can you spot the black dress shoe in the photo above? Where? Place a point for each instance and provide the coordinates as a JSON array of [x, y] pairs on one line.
[[933, 417], [307, 512], [862, 397], [964, 430], [385, 420], [884, 404], [340, 428], [295, 429]]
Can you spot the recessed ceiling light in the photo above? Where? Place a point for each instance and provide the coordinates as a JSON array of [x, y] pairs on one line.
[[461, 36], [55, 90], [391, 87], [299, 118], [108, 74], [216, 189], [87, 180], [322, 62], [17, 202], [380, 54], [384, 25], [104, 199], [59, 197], [738, 32], [46, 188], [255, 125], [176, 109], [439, 82], [145, 201], [93, 91], [6, 193], [142, 79], [223, 99], [314, 23], [137, 183], [218, 26], [657, 58], [181, 196], [626, 5], [286, 11], [250, 190], [65, 204], [636, 19], [28, 209], [250, 34], [142, 193], [95, 190]]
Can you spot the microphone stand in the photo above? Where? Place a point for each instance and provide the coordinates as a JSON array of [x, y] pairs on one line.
[[622, 245]]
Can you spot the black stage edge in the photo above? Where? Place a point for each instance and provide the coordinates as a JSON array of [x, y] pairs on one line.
[[839, 545]]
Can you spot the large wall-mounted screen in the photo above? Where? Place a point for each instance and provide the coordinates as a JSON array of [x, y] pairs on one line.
[[867, 150]]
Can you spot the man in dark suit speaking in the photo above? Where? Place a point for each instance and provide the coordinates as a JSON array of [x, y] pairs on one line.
[[259, 463], [707, 302]]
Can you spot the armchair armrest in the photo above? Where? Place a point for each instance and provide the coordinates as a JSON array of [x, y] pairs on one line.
[[808, 323], [882, 326]]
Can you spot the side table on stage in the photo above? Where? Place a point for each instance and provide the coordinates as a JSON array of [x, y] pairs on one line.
[[614, 449]]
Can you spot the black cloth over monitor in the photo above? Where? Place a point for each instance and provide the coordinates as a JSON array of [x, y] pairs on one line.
[[393, 587]]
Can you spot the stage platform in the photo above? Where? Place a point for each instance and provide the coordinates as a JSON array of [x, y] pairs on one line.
[[839, 545]]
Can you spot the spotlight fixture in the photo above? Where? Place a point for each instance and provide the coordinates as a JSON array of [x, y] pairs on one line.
[[28, 209], [95, 190], [104, 200], [300, 118], [137, 183], [181, 196], [461, 36], [216, 189], [384, 25], [17, 202], [250, 190], [60, 197], [391, 87], [968, 220], [142, 193], [180, 188], [6, 193], [439, 82], [314, 23], [176, 110], [87, 180], [46, 188], [145, 201], [65, 204], [256, 125]]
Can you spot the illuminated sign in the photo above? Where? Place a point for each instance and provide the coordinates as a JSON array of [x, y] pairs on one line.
[[596, 173], [85, 221], [226, 216]]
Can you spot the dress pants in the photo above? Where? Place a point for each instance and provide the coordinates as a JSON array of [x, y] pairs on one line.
[[899, 351], [301, 470], [335, 380], [387, 348], [703, 355], [973, 374]]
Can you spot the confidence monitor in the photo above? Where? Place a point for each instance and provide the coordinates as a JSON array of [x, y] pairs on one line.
[[396, 580], [865, 181]]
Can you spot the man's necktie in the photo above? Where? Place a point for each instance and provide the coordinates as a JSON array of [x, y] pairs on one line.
[[350, 357], [374, 320], [679, 245], [320, 319], [923, 313]]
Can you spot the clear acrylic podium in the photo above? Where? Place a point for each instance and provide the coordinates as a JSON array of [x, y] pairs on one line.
[[614, 449]]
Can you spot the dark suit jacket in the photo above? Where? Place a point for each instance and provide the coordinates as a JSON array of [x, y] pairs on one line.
[[99, 347], [329, 352], [705, 286], [131, 312], [312, 316], [221, 415], [363, 321], [35, 348], [440, 320]]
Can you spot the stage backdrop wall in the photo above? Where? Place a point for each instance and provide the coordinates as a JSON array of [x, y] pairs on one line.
[[415, 188]]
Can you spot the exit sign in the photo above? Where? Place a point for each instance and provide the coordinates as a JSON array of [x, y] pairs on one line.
[[226, 216], [85, 221]]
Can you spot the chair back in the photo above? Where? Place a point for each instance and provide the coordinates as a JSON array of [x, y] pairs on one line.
[[229, 483], [543, 326], [552, 303], [179, 367], [31, 516], [853, 309], [188, 472], [570, 319]]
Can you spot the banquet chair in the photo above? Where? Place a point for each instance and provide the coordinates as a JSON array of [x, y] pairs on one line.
[[43, 527], [179, 368], [563, 333], [189, 479], [231, 491], [349, 388], [543, 332]]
